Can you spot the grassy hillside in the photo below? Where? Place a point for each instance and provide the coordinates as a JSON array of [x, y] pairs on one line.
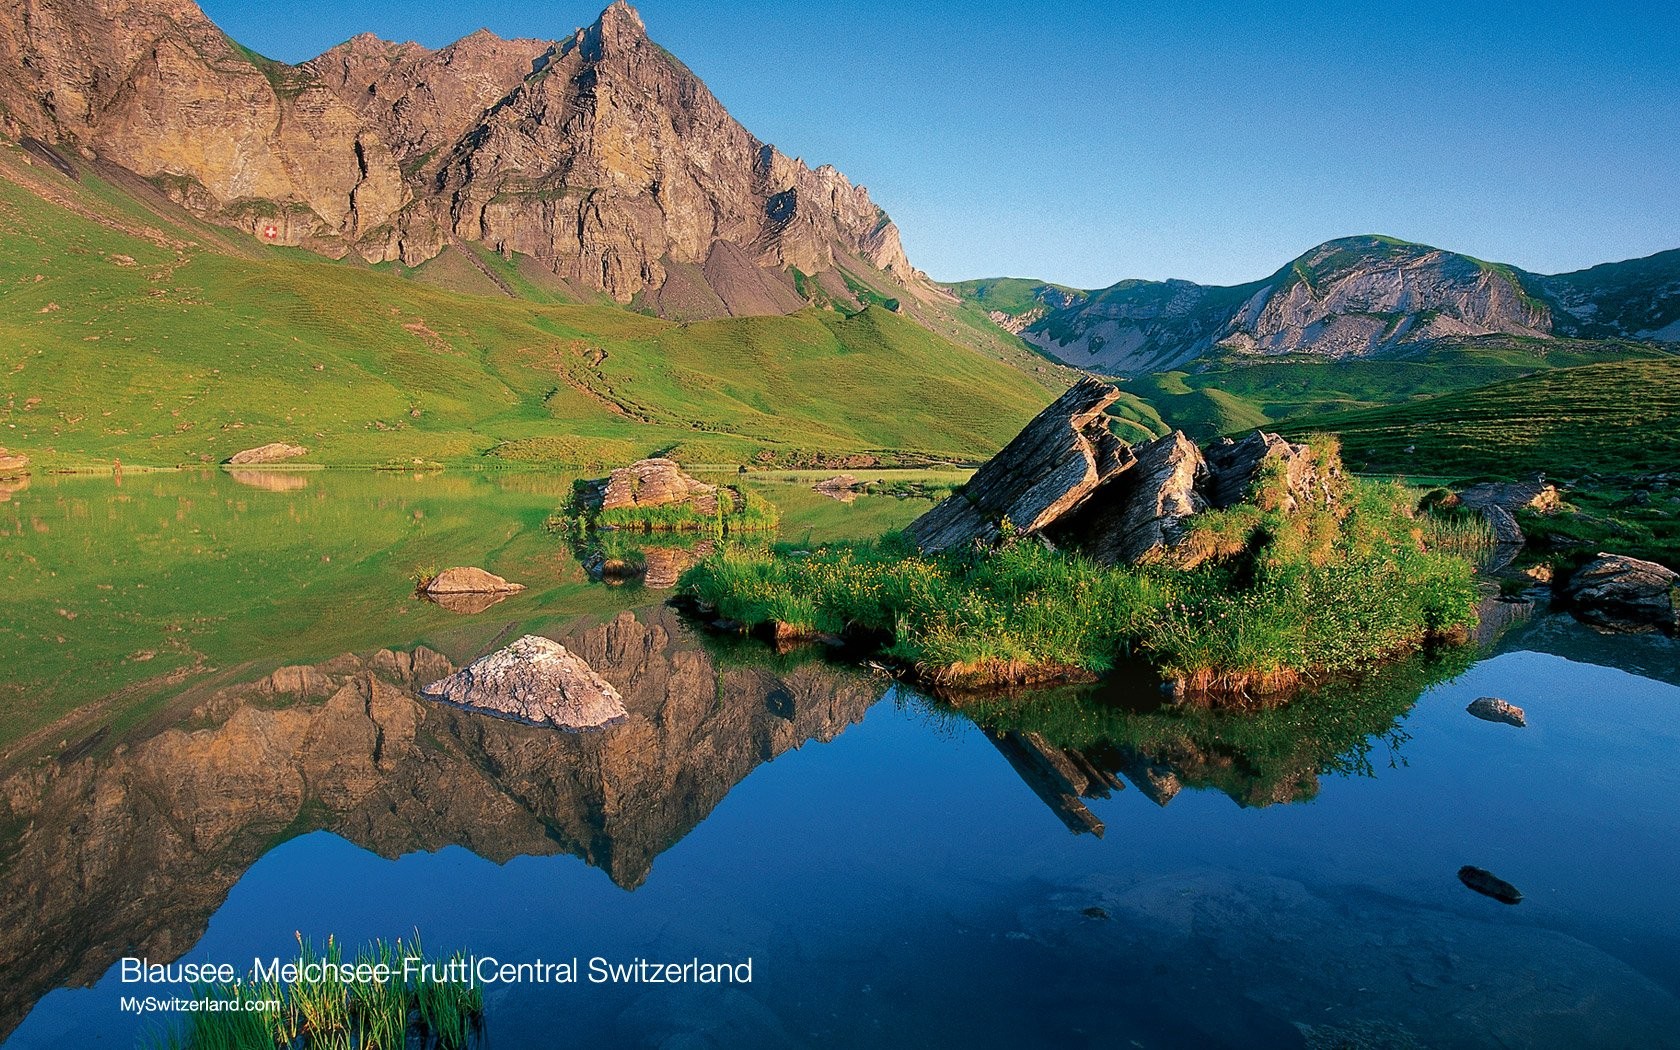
[[130, 331], [1239, 394], [1614, 418]]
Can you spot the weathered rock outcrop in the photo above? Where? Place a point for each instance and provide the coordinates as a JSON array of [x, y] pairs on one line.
[[1625, 594], [600, 158], [1049, 469], [470, 580], [274, 452], [657, 483], [13, 464], [534, 680], [1067, 479], [1141, 517], [1538, 496]]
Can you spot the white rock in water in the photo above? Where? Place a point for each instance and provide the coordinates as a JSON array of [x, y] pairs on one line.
[[534, 680]]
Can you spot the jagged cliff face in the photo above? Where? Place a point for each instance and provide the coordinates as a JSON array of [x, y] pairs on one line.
[[601, 157], [1351, 298], [131, 850]]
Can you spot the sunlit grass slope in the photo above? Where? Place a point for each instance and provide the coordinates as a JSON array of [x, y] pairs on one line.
[[135, 334]]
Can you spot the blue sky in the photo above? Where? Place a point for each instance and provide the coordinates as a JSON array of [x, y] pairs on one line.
[[1088, 142]]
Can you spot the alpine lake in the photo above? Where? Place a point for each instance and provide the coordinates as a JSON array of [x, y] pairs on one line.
[[211, 745]]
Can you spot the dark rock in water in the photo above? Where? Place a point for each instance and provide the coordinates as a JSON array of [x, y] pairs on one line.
[[1095, 912], [1493, 709], [1489, 885], [534, 680], [1052, 466], [1143, 515], [1625, 594]]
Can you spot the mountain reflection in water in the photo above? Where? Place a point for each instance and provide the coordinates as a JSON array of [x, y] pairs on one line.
[[129, 850]]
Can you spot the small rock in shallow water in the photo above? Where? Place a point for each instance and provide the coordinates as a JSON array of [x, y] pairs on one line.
[[1489, 885], [1493, 709], [470, 580], [1095, 912]]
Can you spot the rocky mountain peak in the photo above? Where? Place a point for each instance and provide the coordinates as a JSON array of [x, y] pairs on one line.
[[601, 159]]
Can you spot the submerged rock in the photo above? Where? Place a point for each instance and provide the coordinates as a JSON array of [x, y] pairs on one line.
[[657, 483], [274, 452], [533, 680], [1048, 470], [1489, 885], [470, 580], [1493, 709], [1625, 594]]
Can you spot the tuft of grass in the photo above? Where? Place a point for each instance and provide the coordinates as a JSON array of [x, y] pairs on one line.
[[328, 1013]]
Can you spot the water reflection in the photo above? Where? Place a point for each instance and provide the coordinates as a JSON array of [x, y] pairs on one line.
[[129, 848], [270, 480]]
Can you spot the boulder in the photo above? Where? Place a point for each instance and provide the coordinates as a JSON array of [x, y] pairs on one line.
[[1064, 455], [1235, 466], [13, 464], [468, 580], [274, 452], [535, 680], [1506, 531], [657, 483], [1493, 709], [1142, 517], [1625, 594], [1536, 495], [842, 487]]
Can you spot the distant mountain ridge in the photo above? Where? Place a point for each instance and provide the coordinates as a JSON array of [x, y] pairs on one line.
[[1357, 297], [600, 156]]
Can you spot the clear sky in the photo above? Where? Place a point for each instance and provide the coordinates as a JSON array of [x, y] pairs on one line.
[[1088, 142]]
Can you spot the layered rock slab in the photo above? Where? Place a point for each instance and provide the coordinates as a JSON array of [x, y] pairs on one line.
[[1626, 594], [1050, 468], [657, 483]]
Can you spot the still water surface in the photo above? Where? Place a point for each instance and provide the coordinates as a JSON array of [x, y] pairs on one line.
[[898, 874]]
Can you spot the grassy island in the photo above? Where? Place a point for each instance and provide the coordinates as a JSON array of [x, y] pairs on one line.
[[1289, 596]]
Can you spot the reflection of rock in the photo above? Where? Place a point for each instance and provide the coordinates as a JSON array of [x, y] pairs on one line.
[[11, 486], [274, 452], [470, 581], [1625, 594], [271, 480], [13, 464], [842, 487], [1489, 885], [1493, 709], [467, 604], [657, 483], [1062, 777], [129, 849], [535, 680], [666, 564]]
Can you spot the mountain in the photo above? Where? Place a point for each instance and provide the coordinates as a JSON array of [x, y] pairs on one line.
[[599, 161], [1358, 297]]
